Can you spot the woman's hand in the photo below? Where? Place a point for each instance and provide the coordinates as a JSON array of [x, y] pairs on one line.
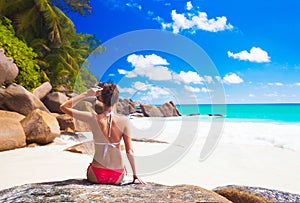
[[135, 177], [93, 91]]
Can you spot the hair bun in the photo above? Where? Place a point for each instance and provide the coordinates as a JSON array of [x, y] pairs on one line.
[[109, 94]]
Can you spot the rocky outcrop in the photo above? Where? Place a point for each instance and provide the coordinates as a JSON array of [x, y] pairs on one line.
[[66, 122], [42, 91], [169, 109], [8, 69], [12, 135], [54, 100], [248, 194], [126, 107], [151, 111], [12, 115], [87, 147], [69, 124], [83, 191], [16, 98], [166, 110], [40, 127]]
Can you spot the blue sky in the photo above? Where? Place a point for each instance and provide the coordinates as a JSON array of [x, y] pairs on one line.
[[253, 44]]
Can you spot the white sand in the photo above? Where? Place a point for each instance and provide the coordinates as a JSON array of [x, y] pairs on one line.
[[253, 154]]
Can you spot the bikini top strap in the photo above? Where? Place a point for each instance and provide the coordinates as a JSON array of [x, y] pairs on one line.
[[109, 122]]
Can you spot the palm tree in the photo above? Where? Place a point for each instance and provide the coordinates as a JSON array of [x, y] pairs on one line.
[[51, 33]]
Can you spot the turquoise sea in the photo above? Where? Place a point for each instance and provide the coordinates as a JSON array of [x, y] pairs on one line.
[[287, 113]]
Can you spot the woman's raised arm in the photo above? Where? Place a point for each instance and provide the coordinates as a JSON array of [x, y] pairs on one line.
[[67, 107]]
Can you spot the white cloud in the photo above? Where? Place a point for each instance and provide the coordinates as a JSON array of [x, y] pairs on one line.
[[122, 71], [196, 89], [159, 20], [157, 92], [251, 95], [189, 6], [232, 78], [198, 21], [150, 66], [155, 67], [298, 84], [275, 84], [208, 79], [205, 90], [141, 61], [219, 79], [256, 54], [194, 19], [134, 5], [140, 85], [126, 90], [190, 77], [192, 89]]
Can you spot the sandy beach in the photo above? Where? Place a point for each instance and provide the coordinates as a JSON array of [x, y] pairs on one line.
[[248, 153]]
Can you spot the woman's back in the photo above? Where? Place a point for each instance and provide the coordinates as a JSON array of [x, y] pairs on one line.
[[108, 130]]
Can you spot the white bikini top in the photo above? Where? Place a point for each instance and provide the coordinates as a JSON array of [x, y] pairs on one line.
[[106, 144]]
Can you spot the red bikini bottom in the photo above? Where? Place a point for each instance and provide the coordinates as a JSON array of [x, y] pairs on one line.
[[106, 175]]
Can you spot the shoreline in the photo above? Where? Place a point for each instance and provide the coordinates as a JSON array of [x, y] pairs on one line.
[[237, 160]]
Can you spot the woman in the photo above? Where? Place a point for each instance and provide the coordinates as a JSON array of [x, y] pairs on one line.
[[108, 129]]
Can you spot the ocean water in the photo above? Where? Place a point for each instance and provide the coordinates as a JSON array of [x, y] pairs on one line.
[[287, 113]]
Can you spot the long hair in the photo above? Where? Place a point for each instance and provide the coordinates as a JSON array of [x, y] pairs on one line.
[[109, 94]]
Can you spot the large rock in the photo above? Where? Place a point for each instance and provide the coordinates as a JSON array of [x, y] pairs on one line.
[[151, 111], [169, 109], [83, 191], [54, 100], [40, 127], [242, 194], [125, 107], [69, 124], [12, 135], [12, 115], [17, 98], [42, 91], [8, 69], [166, 110]]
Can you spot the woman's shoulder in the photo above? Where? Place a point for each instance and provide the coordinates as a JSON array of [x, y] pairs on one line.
[[120, 118]]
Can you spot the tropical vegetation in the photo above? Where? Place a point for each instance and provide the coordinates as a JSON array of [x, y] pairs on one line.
[[58, 50]]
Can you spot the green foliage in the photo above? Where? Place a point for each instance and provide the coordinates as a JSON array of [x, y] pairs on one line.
[[45, 27], [84, 81], [24, 56], [81, 7]]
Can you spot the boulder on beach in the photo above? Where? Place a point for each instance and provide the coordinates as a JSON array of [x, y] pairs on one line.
[[125, 107], [151, 111], [54, 100], [8, 69], [87, 147], [168, 109], [249, 194], [69, 124], [12, 115], [74, 190], [16, 98], [12, 135], [40, 127], [42, 91]]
